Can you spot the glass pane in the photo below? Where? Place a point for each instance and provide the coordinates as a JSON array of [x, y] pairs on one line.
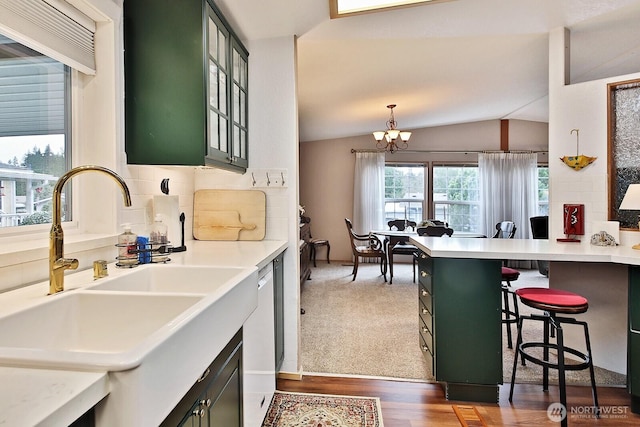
[[236, 103], [214, 132], [34, 96], [236, 66], [456, 197], [222, 92], [404, 182], [213, 85], [213, 39], [223, 134], [243, 109], [245, 70], [222, 50], [243, 144], [404, 192], [236, 141]]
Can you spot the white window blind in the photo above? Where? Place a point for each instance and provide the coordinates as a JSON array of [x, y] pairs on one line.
[[53, 28]]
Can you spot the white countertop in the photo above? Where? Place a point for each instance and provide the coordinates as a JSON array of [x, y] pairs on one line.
[[33, 397], [58, 397], [525, 249]]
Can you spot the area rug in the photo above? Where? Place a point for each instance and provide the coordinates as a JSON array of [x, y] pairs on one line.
[[368, 328], [322, 410]]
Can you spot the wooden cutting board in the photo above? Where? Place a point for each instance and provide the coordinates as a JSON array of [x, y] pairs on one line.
[[229, 214]]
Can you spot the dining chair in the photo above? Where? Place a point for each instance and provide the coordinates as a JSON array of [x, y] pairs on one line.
[[401, 245], [437, 231], [507, 230], [540, 230], [366, 246]]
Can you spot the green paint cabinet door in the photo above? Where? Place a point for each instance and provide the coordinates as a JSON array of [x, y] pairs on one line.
[[633, 361]]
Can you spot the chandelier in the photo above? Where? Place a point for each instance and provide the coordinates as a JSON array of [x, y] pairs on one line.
[[386, 140]]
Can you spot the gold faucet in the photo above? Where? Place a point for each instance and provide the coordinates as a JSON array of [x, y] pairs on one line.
[[57, 262]]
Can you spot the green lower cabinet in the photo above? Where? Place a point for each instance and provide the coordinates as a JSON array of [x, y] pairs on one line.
[[216, 398], [465, 316], [633, 351]]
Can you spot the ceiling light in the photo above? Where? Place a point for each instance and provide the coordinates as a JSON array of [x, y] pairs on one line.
[[339, 8], [386, 140]]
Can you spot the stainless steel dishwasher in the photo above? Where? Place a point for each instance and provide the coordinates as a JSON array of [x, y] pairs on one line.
[[258, 353]]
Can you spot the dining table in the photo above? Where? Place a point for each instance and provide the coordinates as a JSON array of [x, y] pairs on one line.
[[393, 237]]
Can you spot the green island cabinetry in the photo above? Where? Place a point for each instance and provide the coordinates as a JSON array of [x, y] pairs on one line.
[[633, 357], [460, 325], [186, 86]]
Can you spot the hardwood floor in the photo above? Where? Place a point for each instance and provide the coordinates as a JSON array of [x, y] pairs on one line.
[[414, 404]]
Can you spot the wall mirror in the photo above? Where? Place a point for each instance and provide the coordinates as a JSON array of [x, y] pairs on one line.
[[623, 115]]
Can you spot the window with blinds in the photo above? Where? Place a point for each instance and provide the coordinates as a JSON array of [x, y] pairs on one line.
[[53, 28]]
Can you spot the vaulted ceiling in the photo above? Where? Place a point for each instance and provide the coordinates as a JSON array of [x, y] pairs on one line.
[[444, 63]]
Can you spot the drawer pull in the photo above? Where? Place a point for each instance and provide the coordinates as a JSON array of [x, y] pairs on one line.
[[424, 293], [199, 412], [205, 403], [423, 273], [204, 375], [425, 330], [425, 349], [423, 256], [425, 311]]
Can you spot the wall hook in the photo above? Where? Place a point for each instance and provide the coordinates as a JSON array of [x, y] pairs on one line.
[[268, 180], [253, 178], [282, 178]]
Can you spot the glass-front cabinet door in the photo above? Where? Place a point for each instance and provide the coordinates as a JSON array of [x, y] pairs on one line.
[[227, 105]]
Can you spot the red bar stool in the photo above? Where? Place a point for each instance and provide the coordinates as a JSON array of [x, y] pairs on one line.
[[553, 302], [511, 314]]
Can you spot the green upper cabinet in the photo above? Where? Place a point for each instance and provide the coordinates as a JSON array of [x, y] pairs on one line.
[[186, 86]]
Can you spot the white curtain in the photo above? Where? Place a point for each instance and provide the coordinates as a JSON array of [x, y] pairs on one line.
[[509, 192], [368, 192]]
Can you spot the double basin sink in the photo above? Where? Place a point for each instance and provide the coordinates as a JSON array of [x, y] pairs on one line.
[[114, 323]]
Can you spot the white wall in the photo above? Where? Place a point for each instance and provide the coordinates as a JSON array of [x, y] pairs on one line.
[[580, 106], [273, 148], [327, 167]]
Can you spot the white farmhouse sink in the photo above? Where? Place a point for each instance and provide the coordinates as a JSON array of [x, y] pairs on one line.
[[175, 279], [154, 328], [92, 330]]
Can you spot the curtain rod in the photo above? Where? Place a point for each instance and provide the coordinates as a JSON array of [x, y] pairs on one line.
[[372, 150]]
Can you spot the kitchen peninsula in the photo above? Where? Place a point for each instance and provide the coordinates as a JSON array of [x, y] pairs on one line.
[[460, 296]]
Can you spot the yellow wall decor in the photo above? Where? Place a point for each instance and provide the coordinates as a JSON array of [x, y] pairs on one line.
[[578, 161]]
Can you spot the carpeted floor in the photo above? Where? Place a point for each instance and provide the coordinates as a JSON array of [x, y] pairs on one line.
[[369, 328], [310, 410]]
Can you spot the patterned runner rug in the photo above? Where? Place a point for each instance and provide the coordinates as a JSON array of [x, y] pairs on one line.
[[322, 410]]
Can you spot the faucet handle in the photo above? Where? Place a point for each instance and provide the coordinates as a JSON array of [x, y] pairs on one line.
[[67, 263]]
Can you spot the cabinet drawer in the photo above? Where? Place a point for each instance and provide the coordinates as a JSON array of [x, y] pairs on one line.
[[424, 278], [425, 262], [426, 316], [427, 353], [427, 336], [426, 298]]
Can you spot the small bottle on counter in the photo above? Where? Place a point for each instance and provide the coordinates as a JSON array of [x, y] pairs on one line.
[[127, 256], [158, 238]]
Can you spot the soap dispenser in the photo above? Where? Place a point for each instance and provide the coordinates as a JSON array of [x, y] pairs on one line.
[[127, 255]]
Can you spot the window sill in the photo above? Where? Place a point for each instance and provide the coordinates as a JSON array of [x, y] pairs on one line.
[[23, 251]]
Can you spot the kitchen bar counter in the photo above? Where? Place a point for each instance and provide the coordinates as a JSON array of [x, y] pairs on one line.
[[608, 276], [525, 249], [58, 397]]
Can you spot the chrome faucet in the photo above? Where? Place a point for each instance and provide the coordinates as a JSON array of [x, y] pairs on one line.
[[57, 262]]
